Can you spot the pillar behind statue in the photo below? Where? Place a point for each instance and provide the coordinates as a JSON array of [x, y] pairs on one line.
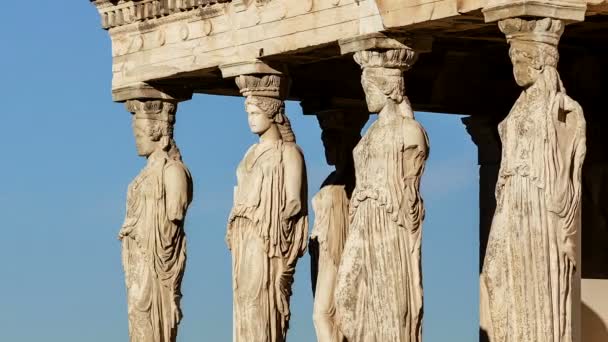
[[153, 238], [526, 282], [484, 133], [379, 286], [268, 224], [341, 131]]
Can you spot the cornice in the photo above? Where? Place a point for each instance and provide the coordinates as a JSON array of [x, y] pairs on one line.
[[115, 13]]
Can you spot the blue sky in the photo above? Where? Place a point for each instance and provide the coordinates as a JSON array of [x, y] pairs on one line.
[[69, 157]]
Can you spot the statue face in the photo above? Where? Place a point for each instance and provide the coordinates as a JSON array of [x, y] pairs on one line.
[[524, 58], [376, 99], [258, 120], [144, 141]]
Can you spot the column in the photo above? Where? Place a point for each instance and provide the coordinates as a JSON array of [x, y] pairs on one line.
[[378, 291], [528, 282], [594, 286], [341, 131], [268, 224], [484, 133], [152, 236]]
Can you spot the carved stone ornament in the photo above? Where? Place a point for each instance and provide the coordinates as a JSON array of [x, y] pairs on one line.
[[115, 13], [526, 282], [268, 224], [378, 293], [153, 238], [341, 133]]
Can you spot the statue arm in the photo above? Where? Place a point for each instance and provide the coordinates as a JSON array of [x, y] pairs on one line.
[[176, 191], [293, 162]]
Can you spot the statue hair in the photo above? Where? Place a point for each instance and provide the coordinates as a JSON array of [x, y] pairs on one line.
[[275, 110], [544, 58], [157, 130], [390, 85]]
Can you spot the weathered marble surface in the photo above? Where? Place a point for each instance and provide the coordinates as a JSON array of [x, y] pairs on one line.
[[340, 134], [268, 224], [153, 238], [526, 283], [379, 286]]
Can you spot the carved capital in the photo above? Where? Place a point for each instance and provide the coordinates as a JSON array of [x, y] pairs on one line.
[[274, 86], [158, 110], [484, 133], [394, 59], [546, 31]]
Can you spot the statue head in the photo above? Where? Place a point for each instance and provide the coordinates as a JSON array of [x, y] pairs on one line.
[[533, 47], [153, 126], [264, 104], [382, 86], [263, 113], [382, 77], [150, 136]]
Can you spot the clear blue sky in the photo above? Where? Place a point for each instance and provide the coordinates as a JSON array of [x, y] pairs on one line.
[[69, 157]]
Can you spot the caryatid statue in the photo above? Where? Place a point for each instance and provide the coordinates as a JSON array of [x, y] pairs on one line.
[[340, 134], [153, 239], [526, 282], [379, 287], [268, 224]]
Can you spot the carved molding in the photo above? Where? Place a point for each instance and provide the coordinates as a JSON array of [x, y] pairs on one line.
[[118, 13], [252, 67], [146, 91], [569, 10], [381, 41]]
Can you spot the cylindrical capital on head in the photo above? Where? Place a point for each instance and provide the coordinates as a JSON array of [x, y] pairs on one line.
[[541, 36], [396, 59], [273, 86], [547, 30], [159, 110]]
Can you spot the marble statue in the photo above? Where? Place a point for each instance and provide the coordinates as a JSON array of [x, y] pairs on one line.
[[379, 285], [268, 225], [153, 239], [340, 134], [526, 282]]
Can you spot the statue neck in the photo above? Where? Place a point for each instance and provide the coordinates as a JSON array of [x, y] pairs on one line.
[[389, 112], [393, 110], [157, 155], [271, 135]]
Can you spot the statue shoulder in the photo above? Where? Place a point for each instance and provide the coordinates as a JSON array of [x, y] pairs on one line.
[[414, 134], [176, 167], [292, 150], [176, 176]]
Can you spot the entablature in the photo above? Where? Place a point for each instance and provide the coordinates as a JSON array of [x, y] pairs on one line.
[[183, 43]]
